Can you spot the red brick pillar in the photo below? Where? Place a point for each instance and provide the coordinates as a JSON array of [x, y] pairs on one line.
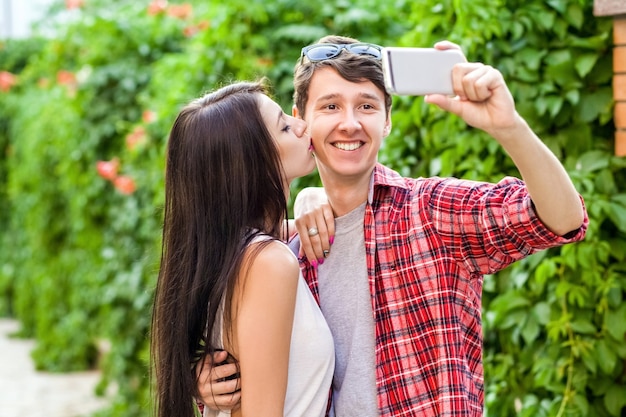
[[617, 9], [619, 83]]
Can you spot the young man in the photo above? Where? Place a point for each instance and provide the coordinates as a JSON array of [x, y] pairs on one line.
[[401, 288]]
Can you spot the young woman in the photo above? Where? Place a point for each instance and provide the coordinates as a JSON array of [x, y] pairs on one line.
[[227, 281]]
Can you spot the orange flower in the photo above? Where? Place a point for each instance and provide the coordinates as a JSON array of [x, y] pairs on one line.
[[180, 11], [148, 116], [136, 137], [66, 78], [7, 80], [204, 25], [191, 30], [265, 62], [74, 4], [108, 169], [157, 7], [125, 184]]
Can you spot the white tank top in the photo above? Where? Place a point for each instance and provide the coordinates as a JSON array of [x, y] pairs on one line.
[[311, 360]]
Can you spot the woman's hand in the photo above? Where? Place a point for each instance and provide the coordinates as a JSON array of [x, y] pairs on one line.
[[315, 223]]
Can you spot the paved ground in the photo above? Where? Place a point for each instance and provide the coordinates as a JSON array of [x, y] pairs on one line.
[[25, 392]]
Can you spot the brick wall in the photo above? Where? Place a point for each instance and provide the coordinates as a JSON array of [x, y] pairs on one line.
[[617, 9], [619, 83]]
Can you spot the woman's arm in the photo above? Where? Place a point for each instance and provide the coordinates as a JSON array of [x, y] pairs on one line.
[[263, 311]]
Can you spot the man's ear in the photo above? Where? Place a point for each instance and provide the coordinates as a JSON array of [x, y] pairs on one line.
[[387, 128]]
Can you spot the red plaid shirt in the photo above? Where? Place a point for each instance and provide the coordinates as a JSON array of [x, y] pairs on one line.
[[428, 243]]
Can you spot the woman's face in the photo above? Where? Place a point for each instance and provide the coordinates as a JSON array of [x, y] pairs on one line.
[[291, 138]]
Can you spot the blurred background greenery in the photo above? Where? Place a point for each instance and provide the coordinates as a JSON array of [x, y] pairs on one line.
[[84, 115]]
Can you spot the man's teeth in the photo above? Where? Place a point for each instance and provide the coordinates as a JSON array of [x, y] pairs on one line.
[[347, 146]]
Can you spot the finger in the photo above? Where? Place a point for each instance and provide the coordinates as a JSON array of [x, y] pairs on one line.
[[459, 72], [205, 365], [209, 375], [477, 83], [225, 402], [321, 241], [445, 44], [450, 104], [329, 219], [218, 356], [226, 371], [306, 248], [208, 390]]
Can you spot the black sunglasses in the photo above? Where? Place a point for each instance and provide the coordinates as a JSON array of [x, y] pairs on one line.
[[324, 51]]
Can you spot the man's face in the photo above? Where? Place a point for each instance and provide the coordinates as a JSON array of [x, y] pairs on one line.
[[347, 122]]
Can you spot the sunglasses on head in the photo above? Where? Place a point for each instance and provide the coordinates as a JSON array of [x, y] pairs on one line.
[[324, 51]]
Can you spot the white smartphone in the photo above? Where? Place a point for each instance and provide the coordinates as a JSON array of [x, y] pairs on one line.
[[419, 71]]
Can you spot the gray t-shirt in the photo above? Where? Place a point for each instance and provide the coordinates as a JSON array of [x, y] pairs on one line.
[[346, 303]]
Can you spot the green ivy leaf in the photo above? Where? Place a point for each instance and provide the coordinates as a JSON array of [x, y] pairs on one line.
[[583, 327], [575, 15], [615, 399], [514, 319], [594, 103], [592, 161], [531, 329], [615, 323], [573, 96], [617, 214], [542, 312], [607, 359], [590, 361], [580, 402], [585, 63], [545, 270]]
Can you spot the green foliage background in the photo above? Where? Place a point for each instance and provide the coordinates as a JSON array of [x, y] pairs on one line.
[[78, 259]]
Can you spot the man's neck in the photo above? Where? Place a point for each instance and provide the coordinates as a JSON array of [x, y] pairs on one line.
[[344, 195]]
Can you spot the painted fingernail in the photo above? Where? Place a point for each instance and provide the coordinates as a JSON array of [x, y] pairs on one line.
[[314, 264], [331, 239], [320, 261]]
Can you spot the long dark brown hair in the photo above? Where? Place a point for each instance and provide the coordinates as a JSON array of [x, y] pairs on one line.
[[223, 186]]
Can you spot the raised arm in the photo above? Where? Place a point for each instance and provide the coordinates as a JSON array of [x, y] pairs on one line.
[[484, 101]]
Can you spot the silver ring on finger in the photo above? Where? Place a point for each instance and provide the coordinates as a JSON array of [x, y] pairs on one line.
[[313, 231]]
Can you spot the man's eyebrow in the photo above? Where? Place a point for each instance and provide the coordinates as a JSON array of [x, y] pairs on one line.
[[332, 96], [370, 96], [328, 97]]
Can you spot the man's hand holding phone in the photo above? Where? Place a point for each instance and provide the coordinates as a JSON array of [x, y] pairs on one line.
[[421, 71], [481, 96]]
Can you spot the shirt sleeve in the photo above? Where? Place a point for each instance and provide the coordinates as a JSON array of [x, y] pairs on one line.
[[489, 226]]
